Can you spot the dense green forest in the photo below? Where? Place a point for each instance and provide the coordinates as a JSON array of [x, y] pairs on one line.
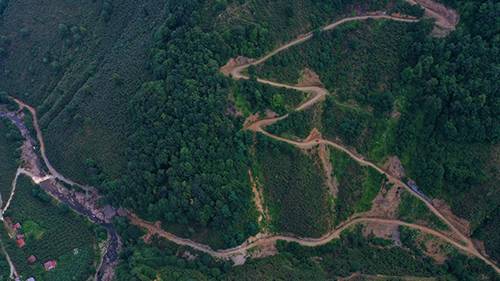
[[186, 155], [449, 131]]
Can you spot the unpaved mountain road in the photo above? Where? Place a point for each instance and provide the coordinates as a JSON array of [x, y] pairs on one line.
[[234, 70], [41, 142], [261, 239]]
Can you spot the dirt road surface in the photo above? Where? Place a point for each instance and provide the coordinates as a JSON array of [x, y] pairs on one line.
[[235, 71]]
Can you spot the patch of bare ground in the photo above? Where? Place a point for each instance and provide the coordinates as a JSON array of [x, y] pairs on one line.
[[271, 114], [251, 119], [330, 180], [264, 217], [461, 224], [266, 249], [394, 167], [385, 205], [446, 19], [233, 63], [315, 134], [480, 247], [309, 78]]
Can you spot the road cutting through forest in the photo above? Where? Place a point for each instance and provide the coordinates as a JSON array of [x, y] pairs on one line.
[[235, 70], [318, 94]]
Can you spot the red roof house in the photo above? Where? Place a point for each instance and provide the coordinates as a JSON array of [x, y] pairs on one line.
[[16, 226], [20, 242], [49, 265]]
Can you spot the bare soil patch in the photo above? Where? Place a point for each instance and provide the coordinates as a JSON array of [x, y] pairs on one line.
[[394, 167], [315, 134], [385, 205], [266, 249], [233, 63], [446, 18], [258, 199], [252, 118], [330, 180]]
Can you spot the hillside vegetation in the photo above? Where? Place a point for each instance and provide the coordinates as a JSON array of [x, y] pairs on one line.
[[52, 232], [296, 195], [10, 143], [340, 258]]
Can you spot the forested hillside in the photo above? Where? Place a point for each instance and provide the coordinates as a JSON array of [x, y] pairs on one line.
[[79, 63], [449, 132], [160, 140], [132, 100]]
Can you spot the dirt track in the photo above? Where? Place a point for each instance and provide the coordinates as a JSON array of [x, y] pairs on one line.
[[41, 142], [261, 239], [235, 71]]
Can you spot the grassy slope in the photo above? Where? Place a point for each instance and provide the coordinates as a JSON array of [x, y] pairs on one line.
[[358, 185], [9, 154], [294, 189], [80, 86], [52, 232], [413, 210]]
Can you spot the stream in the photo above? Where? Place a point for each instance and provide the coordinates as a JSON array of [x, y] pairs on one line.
[[83, 203]]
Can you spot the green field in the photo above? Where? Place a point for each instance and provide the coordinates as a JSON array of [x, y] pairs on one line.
[[51, 231], [10, 142], [358, 185], [296, 195], [413, 210]]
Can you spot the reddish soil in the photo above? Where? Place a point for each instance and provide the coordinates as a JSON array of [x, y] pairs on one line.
[[259, 200], [385, 205], [330, 180], [394, 167]]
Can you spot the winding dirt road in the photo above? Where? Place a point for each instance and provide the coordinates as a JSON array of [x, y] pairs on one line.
[[263, 239], [318, 94], [41, 142], [234, 70]]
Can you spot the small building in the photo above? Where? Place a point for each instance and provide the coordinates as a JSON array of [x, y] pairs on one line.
[[20, 236], [49, 265], [20, 242], [16, 226], [31, 279], [31, 259]]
